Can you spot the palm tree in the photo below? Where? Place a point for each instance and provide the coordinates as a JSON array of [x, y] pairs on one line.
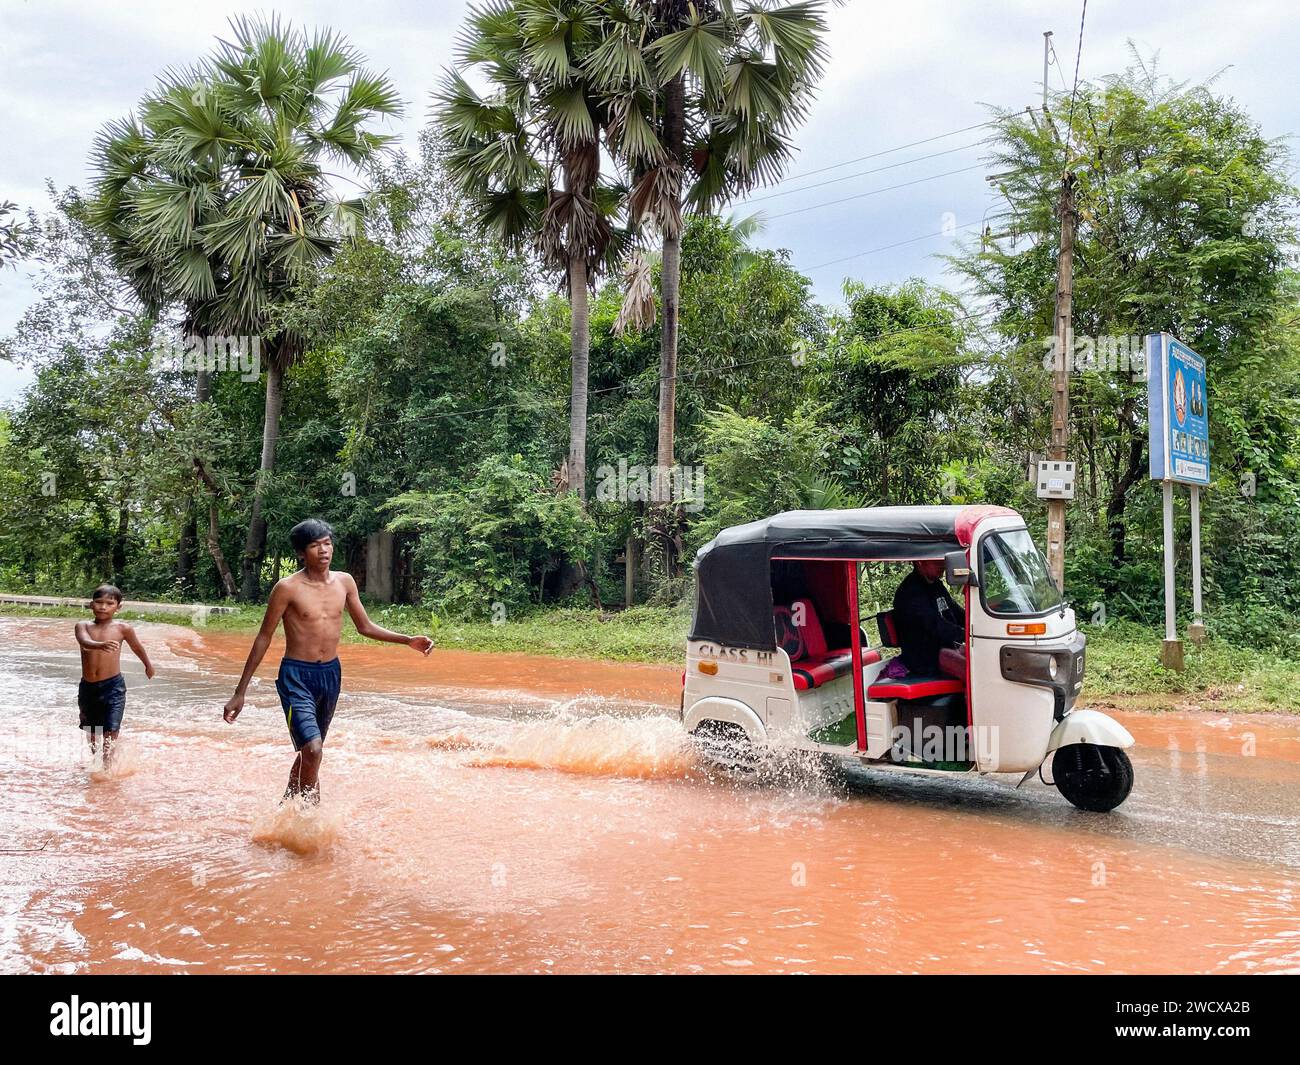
[[706, 116], [240, 210], [151, 201], [527, 154], [295, 103]]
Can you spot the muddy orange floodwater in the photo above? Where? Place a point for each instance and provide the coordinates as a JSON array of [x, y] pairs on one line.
[[503, 813]]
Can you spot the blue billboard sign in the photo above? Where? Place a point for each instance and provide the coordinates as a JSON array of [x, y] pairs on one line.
[[1179, 412]]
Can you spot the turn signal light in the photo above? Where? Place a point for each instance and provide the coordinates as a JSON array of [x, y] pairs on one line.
[[711, 668], [1034, 628]]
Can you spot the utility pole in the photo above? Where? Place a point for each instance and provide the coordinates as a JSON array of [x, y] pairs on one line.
[[1063, 332], [1063, 350]]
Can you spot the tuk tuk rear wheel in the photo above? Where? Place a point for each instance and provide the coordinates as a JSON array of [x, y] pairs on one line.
[[726, 743], [1091, 777]]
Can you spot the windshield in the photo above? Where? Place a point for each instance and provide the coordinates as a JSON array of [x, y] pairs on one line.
[[1014, 575]]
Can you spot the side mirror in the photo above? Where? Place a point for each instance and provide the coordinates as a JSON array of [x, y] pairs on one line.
[[957, 570]]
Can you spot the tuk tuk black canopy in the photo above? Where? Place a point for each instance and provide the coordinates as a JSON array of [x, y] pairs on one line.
[[733, 588]]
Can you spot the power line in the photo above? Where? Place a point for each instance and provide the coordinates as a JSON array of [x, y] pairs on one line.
[[876, 192], [1056, 62], [896, 244], [890, 151], [891, 188], [1077, 56], [864, 173]]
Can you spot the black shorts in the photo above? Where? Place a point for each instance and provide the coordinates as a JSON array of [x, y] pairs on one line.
[[308, 693], [102, 703]]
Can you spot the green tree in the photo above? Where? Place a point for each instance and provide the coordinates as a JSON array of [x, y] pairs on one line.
[[89, 475], [758, 466], [12, 234], [250, 132], [1184, 225], [495, 538], [892, 373]]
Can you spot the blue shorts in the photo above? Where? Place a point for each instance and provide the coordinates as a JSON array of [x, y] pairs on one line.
[[308, 692], [101, 703]]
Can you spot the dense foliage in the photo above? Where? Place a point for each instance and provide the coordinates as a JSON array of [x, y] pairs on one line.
[[431, 393]]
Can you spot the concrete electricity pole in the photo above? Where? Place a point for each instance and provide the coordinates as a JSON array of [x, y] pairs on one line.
[[1063, 332], [1063, 350]]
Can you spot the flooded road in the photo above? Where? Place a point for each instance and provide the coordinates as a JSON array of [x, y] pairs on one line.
[[501, 813]]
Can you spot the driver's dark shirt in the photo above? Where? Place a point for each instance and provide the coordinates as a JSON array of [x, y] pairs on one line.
[[927, 619]]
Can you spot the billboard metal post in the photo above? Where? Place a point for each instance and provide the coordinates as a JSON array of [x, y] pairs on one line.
[[1171, 653], [1179, 439], [1196, 630]]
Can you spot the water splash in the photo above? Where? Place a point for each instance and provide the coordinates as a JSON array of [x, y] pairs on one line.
[[299, 826], [650, 747], [124, 763], [454, 741]]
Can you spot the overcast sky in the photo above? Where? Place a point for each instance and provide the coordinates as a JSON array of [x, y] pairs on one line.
[[899, 72]]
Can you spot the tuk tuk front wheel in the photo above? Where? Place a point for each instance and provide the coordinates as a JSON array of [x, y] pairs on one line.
[[1091, 777]]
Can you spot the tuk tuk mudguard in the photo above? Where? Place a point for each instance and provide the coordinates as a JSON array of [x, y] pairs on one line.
[[1088, 726], [715, 708]]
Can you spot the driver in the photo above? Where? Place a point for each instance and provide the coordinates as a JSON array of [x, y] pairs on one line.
[[931, 626]]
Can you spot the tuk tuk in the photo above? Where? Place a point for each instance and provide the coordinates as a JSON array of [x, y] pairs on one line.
[[778, 656]]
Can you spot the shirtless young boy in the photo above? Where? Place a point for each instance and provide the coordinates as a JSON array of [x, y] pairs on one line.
[[311, 602], [101, 695]]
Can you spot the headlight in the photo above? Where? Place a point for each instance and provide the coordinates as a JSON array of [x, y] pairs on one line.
[[1046, 666]]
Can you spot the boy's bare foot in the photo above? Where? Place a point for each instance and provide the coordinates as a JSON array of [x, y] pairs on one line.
[[310, 796]]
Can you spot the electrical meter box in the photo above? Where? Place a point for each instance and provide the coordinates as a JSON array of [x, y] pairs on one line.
[[1053, 480]]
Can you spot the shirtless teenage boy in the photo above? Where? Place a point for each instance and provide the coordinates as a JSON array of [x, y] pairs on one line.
[[101, 695], [311, 602]]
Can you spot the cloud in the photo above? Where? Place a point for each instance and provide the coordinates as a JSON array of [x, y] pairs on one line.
[[897, 73]]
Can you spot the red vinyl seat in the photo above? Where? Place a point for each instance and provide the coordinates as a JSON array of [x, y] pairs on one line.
[[914, 687], [812, 662], [814, 672]]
